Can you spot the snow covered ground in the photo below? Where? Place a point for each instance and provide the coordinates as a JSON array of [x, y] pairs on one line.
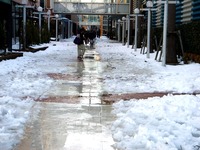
[[171, 122]]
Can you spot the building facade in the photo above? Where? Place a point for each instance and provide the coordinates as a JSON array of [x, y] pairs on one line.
[[186, 11], [5, 25]]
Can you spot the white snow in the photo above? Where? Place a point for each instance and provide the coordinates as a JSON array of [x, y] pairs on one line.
[[171, 122], [168, 123]]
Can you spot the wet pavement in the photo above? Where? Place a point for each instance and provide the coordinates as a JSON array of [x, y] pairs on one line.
[[73, 116]]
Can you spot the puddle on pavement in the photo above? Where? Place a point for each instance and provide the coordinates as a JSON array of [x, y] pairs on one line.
[[62, 126], [88, 81], [78, 126]]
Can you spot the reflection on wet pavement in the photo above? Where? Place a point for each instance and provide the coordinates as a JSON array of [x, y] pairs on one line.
[[82, 126]]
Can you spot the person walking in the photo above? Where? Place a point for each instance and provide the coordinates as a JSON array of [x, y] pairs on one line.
[[81, 47], [92, 37]]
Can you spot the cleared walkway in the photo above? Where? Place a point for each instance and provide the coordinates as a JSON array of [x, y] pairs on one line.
[[79, 123]]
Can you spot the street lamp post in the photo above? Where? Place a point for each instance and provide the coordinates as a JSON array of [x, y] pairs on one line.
[[123, 30], [136, 11], [119, 24], [165, 33], [128, 25], [24, 27], [69, 28], [56, 16], [149, 8], [128, 39], [49, 13], [71, 33], [39, 9], [136, 14]]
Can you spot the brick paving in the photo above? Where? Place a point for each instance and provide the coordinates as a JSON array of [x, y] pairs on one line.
[[74, 116]]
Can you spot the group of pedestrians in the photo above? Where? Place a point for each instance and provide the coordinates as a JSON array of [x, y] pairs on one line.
[[86, 37]]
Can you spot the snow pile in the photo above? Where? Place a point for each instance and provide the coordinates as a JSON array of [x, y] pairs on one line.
[[167, 123], [14, 113]]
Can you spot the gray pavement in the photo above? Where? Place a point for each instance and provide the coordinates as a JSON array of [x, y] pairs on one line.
[[83, 124]]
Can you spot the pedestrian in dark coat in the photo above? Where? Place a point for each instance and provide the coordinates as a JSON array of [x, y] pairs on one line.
[[81, 47], [92, 37]]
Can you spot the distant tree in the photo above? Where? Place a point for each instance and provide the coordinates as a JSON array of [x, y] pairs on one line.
[[45, 33], [32, 33]]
